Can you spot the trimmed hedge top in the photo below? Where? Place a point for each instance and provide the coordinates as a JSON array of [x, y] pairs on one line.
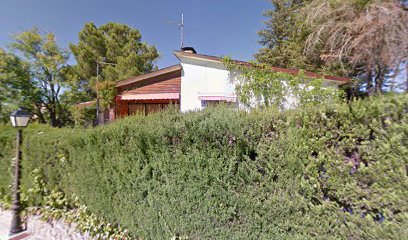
[[333, 172]]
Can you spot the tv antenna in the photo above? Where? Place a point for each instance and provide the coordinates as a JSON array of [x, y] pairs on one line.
[[180, 26]]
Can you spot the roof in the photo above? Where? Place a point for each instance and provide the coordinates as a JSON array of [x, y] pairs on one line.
[[159, 72], [150, 96], [86, 104], [276, 69]]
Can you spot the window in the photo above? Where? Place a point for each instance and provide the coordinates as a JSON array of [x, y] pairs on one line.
[[213, 103]]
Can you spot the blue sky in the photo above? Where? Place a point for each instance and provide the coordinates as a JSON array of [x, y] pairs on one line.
[[213, 27]]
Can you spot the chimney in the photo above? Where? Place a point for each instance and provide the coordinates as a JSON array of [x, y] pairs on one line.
[[188, 50]]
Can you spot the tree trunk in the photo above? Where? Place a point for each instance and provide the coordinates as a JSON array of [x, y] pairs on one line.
[[53, 117], [40, 115], [369, 79], [379, 79], [406, 76]]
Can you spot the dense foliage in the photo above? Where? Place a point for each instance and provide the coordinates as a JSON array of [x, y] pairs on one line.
[[258, 86], [364, 39], [83, 114], [15, 86], [284, 36], [336, 171], [35, 72], [370, 37], [120, 52]]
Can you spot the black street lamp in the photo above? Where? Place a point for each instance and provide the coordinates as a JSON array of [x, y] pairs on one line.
[[19, 119]]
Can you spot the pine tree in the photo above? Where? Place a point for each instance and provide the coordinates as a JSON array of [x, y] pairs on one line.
[[120, 51]]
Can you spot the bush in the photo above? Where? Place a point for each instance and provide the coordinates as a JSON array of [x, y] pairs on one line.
[[332, 172], [83, 115]]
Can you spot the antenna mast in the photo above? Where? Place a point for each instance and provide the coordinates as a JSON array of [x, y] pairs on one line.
[[180, 26], [182, 31]]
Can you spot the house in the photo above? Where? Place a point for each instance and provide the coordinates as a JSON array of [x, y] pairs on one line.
[[199, 80]]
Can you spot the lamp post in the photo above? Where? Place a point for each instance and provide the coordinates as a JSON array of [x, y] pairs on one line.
[[19, 119]]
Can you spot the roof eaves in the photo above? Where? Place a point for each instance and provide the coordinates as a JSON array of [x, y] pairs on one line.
[[276, 69], [197, 56], [142, 77]]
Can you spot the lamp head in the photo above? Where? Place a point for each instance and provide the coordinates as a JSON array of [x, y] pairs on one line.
[[20, 118]]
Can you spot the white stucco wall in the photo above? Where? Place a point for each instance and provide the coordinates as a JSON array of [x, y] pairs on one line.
[[202, 78]]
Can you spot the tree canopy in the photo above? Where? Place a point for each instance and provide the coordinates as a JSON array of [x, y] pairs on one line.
[[370, 37], [365, 39], [119, 51], [15, 85], [283, 36], [35, 74]]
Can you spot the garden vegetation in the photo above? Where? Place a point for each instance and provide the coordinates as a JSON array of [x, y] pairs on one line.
[[336, 171]]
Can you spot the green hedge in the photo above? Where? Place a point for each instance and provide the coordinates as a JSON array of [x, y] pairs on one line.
[[333, 172]]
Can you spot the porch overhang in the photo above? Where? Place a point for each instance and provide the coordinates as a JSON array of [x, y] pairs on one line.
[[150, 96]]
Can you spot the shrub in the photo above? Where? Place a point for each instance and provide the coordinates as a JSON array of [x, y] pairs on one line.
[[329, 172], [83, 115]]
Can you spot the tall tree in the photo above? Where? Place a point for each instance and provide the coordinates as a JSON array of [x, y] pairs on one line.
[[15, 85], [37, 76], [120, 51], [369, 36], [284, 36], [365, 39]]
